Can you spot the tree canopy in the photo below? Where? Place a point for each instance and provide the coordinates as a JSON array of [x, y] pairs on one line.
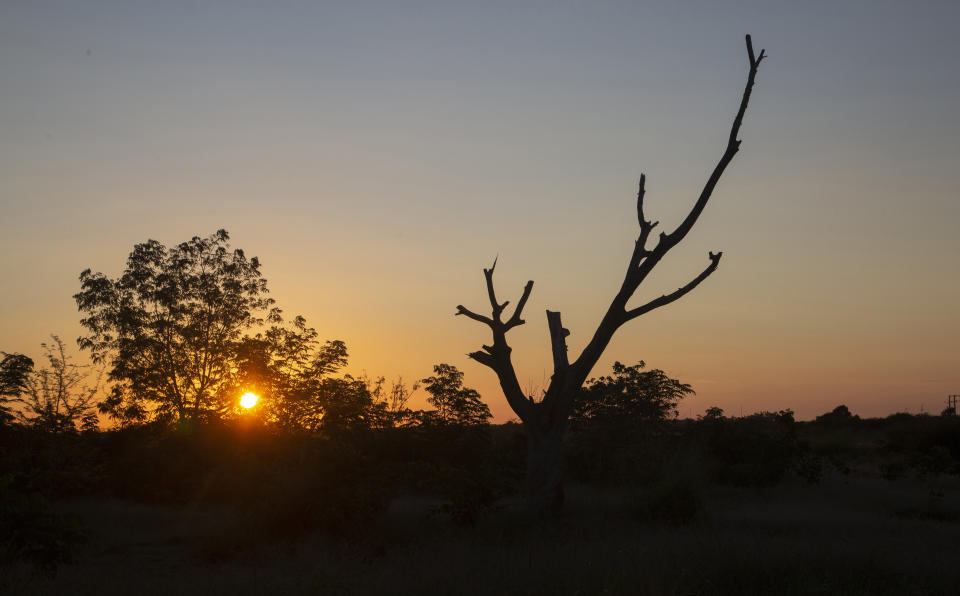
[[630, 394], [60, 396], [185, 331], [294, 374], [15, 370], [169, 327], [454, 403]]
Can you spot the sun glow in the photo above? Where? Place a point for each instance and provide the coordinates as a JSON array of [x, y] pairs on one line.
[[249, 400]]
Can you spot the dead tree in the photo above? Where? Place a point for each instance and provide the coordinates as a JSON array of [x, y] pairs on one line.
[[545, 421]]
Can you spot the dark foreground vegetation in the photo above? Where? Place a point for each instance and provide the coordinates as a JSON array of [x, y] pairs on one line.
[[759, 504]]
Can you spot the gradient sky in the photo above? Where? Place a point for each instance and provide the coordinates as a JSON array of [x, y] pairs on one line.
[[376, 156]]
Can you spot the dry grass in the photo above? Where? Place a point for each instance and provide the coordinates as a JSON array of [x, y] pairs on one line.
[[847, 535]]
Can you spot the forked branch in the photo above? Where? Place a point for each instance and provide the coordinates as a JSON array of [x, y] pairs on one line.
[[643, 260], [568, 377], [497, 308], [733, 145], [497, 355], [679, 293], [640, 250], [515, 320], [462, 310]]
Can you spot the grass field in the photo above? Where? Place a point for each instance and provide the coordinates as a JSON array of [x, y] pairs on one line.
[[850, 534]]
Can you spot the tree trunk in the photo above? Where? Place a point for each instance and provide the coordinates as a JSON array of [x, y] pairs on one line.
[[544, 472]]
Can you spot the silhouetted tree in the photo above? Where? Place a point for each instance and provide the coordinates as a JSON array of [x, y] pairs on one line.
[[616, 424], [343, 402], [454, 403], [630, 394], [14, 371], [169, 326], [390, 402], [545, 421], [713, 413], [839, 416], [60, 396], [294, 375]]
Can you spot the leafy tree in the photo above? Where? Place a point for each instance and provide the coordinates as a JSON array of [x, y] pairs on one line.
[[630, 394], [59, 397], [838, 417], [169, 327], [294, 375], [631, 402], [713, 413], [15, 369], [390, 404], [454, 403]]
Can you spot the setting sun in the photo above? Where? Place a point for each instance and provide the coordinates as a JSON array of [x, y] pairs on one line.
[[249, 400]]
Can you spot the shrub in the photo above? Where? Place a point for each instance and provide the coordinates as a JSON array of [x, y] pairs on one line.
[[30, 532], [756, 450]]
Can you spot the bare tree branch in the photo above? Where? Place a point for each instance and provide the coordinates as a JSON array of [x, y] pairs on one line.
[[754, 64], [640, 248], [733, 145], [483, 358], [497, 307], [645, 226], [515, 320], [462, 310], [497, 356], [668, 298], [642, 261]]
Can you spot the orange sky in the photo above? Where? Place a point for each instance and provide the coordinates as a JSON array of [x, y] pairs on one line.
[[375, 159]]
